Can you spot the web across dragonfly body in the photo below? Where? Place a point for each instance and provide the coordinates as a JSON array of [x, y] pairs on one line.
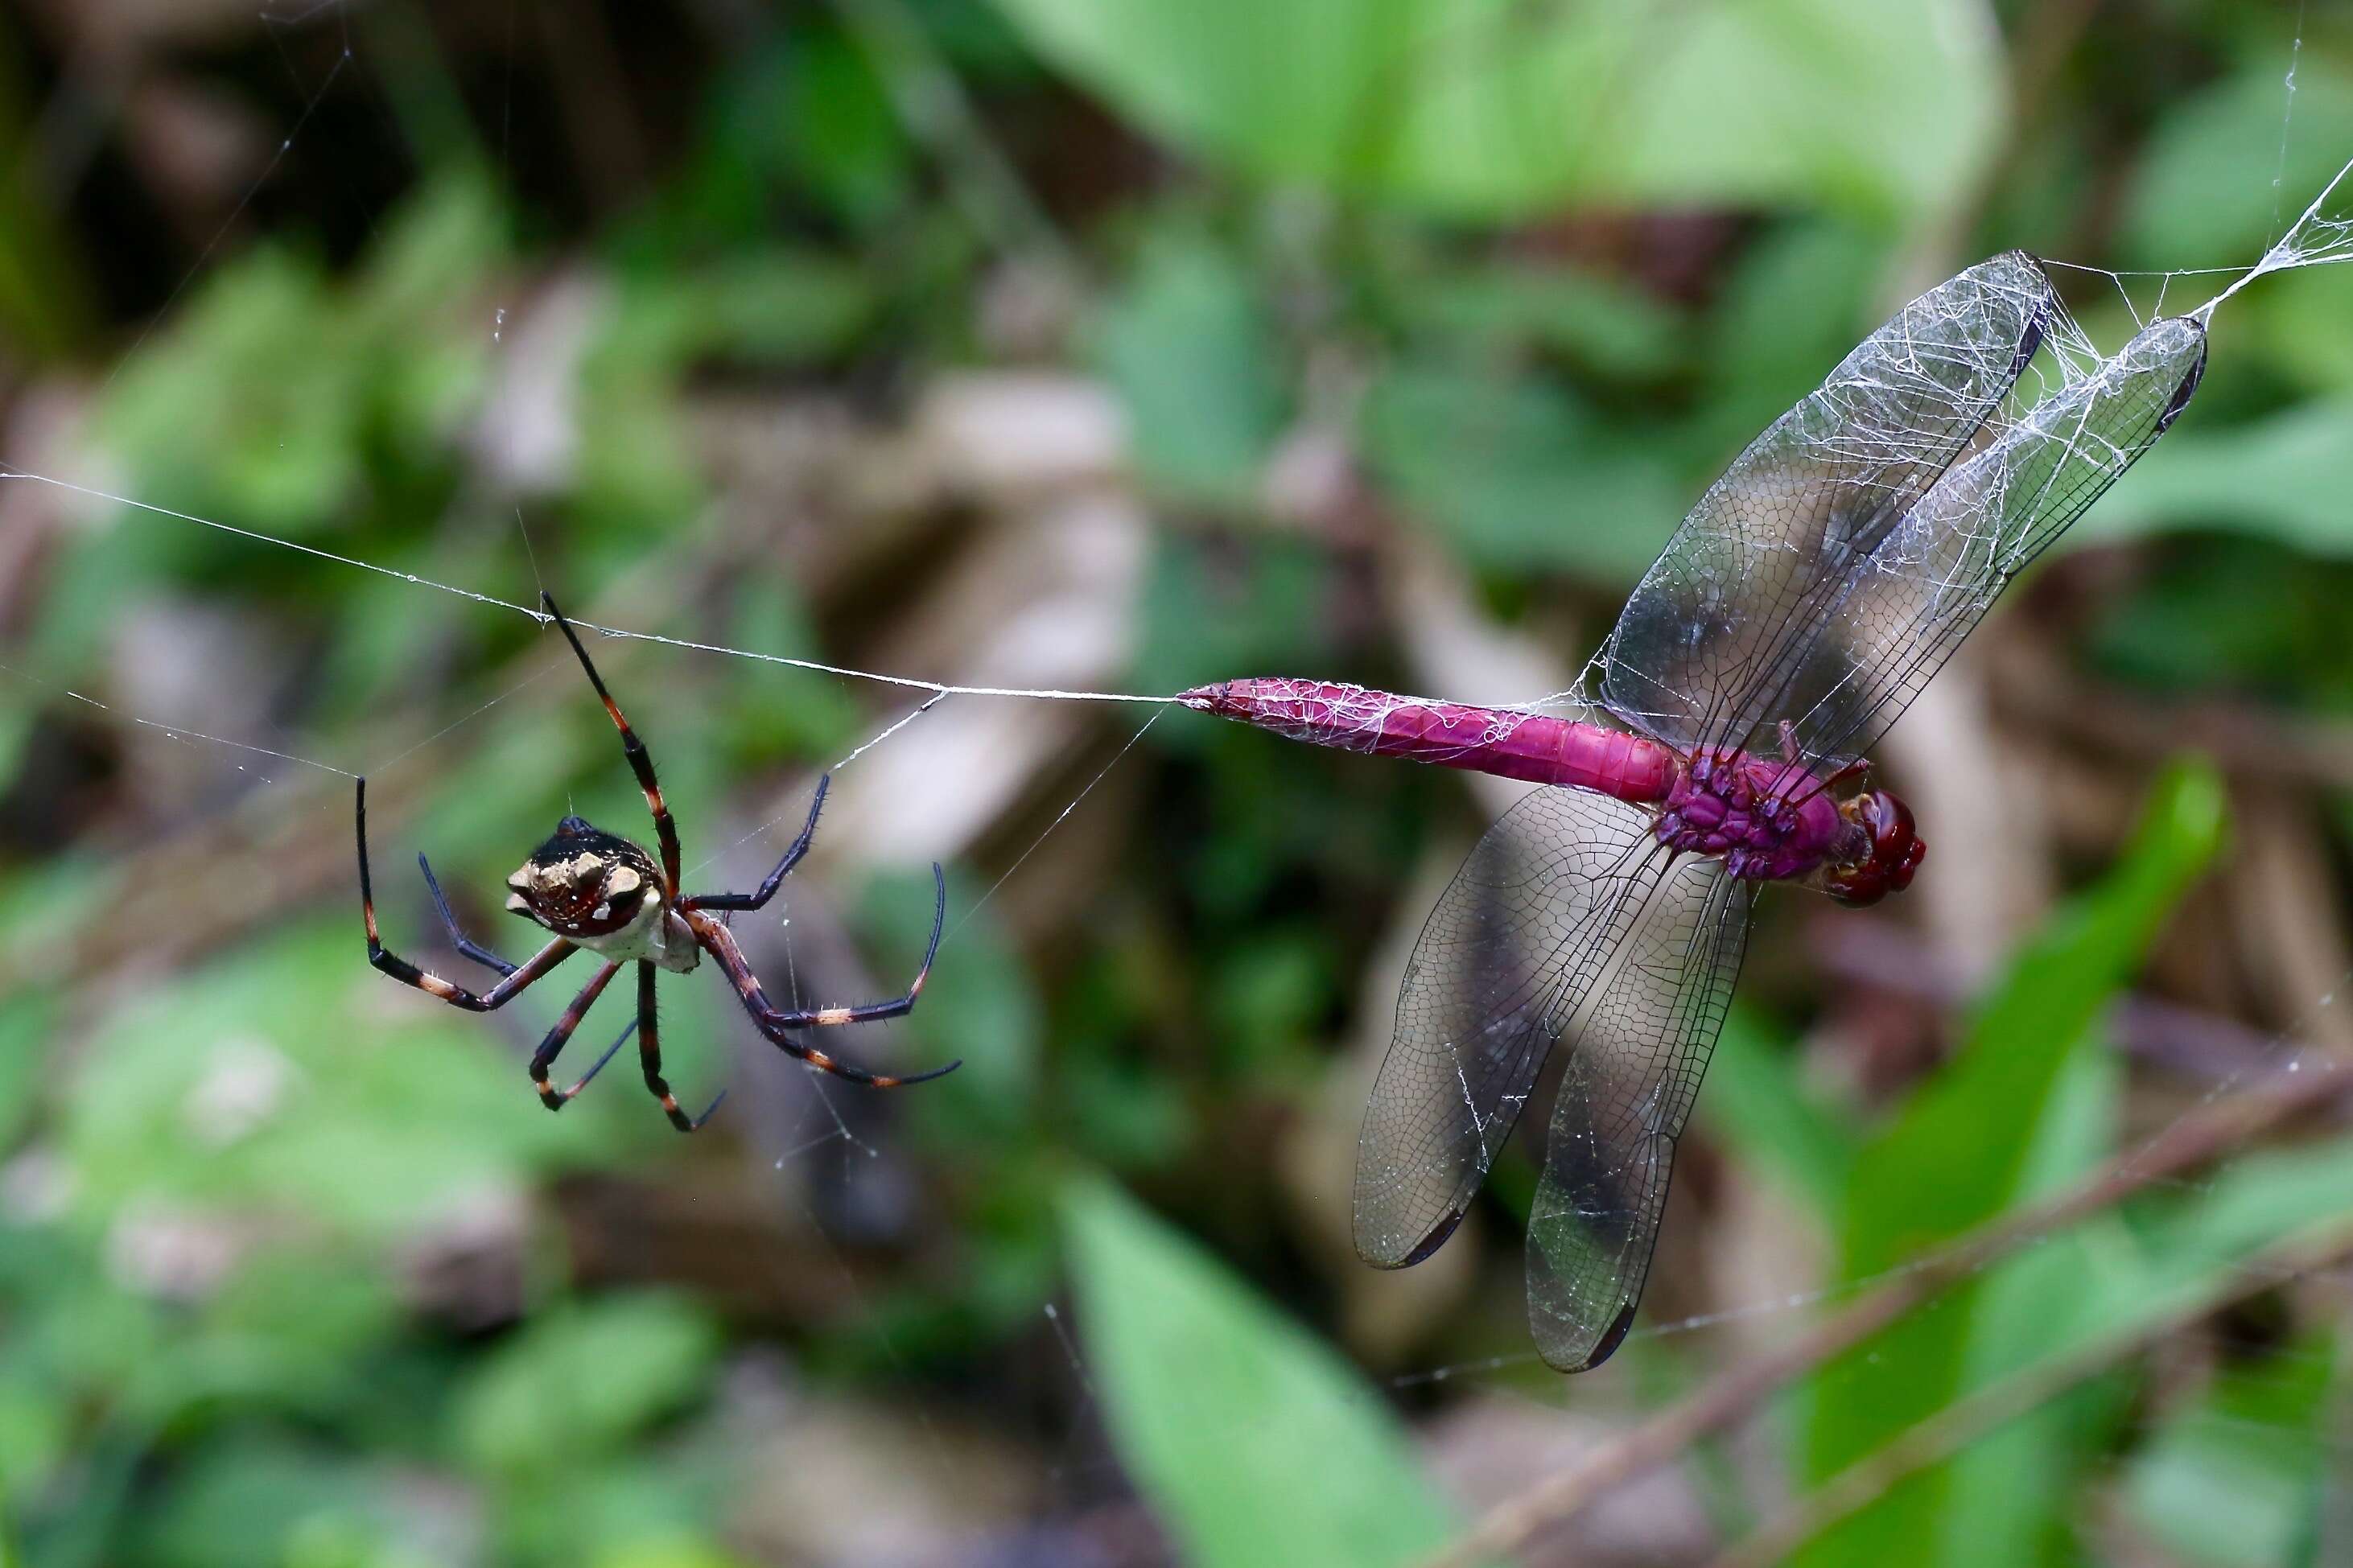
[[1813, 590]]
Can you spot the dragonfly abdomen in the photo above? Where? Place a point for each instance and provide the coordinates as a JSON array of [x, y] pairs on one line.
[[1506, 742]]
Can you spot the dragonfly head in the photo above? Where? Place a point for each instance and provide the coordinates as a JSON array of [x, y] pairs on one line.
[[1884, 850]]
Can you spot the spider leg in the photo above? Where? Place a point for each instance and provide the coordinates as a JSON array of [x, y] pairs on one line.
[[432, 985], [772, 1022], [649, 1054], [458, 938], [544, 1057], [641, 762], [775, 878], [610, 1052], [898, 1006]]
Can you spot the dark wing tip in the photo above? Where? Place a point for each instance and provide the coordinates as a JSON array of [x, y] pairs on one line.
[[1381, 1255], [2182, 393], [1603, 1348]]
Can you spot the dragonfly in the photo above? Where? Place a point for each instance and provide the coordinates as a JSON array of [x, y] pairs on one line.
[[1716, 743]]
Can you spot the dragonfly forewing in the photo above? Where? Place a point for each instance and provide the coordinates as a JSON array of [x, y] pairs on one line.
[[1638, 1045], [1500, 968], [1720, 624], [1930, 582]]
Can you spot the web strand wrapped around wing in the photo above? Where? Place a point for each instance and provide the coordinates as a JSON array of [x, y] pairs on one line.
[[1639, 1042], [1714, 633], [1930, 582], [1498, 972], [1817, 587]]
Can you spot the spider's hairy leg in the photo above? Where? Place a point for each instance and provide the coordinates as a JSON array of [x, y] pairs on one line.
[[557, 1037], [649, 1054], [407, 974], [598, 1065], [642, 761], [775, 878], [458, 937], [898, 1006], [773, 1021]]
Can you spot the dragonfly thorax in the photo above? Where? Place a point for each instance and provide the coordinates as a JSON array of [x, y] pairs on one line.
[[1770, 820]]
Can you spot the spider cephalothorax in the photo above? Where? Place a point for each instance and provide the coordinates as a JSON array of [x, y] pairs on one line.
[[599, 891]]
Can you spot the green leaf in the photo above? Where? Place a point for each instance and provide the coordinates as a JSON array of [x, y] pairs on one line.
[[1518, 475], [1756, 1106], [774, 305], [1192, 353], [1800, 298], [580, 1380], [250, 407], [1487, 108], [2232, 616], [2009, 1490], [223, 1090], [2204, 196], [2234, 1481], [2284, 477], [1999, 1124], [1957, 1154], [2109, 1279], [1603, 323], [672, 1553], [248, 1499], [994, 1027], [1254, 1444], [26, 1023], [1263, 604]]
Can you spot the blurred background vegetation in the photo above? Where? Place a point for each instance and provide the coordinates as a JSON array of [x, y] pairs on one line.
[[1113, 344]]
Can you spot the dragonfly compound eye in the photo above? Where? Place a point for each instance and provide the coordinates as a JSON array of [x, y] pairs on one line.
[[1887, 850]]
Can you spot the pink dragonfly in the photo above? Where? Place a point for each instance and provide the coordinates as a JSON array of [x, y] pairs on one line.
[[1808, 597]]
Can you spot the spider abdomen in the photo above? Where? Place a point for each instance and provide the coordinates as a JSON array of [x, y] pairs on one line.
[[600, 891]]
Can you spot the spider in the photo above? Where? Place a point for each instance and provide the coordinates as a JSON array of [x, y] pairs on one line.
[[599, 891]]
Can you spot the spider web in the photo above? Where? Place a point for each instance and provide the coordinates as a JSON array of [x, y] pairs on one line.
[[823, 1141]]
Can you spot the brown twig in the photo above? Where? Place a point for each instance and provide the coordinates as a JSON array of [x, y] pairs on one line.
[[2249, 742], [1955, 1427], [2194, 1140]]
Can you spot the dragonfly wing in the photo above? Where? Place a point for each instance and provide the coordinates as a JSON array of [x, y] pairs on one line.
[[1723, 616], [1499, 967], [1639, 1042], [1931, 581]]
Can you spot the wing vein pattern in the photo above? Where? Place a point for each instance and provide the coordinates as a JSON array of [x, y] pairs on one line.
[[1722, 625], [1814, 590], [1499, 967], [1639, 1043]]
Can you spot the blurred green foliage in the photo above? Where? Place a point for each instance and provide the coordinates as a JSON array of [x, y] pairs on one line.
[[1540, 270], [1252, 1440], [1503, 112], [2024, 1109]]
